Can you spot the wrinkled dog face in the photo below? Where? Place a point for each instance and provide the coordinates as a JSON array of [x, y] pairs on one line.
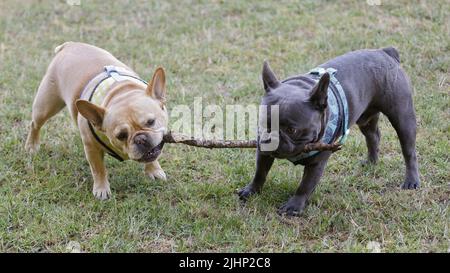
[[137, 127], [134, 123], [301, 112]]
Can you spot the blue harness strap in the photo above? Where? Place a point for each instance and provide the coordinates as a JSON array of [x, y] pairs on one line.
[[338, 112]]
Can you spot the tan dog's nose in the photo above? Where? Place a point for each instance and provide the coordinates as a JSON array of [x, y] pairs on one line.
[[142, 139]]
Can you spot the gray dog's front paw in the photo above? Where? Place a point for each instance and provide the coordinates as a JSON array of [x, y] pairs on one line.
[[246, 192], [410, 185], [367, 162], [293, 207]]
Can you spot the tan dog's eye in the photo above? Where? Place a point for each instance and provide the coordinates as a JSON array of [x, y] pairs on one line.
[[291, 130], [122, 136], [150, 122]]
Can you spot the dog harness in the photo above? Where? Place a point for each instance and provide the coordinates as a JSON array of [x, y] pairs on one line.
[[338, 109], [96, 91]]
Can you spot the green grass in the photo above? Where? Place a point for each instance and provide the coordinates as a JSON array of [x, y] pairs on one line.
[[215, 49]]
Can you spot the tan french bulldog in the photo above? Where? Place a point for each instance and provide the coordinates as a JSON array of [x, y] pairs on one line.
[[120, 114]]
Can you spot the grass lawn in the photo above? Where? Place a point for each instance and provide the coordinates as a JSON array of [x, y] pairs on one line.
[[215, 49]]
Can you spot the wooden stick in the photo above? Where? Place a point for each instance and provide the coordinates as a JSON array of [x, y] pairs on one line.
[[209, 143]]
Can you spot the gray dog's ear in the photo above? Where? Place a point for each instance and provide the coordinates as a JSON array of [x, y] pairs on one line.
[[157, 87], [269, 79], [319, 93], [93, 113]]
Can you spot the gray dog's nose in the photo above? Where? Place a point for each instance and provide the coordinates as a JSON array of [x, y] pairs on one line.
[[142, 139]]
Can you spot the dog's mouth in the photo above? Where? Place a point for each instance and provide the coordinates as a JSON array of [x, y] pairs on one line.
[[152, 154], [283, 154]]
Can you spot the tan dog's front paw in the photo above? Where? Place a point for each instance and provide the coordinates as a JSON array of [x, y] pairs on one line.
[[154, 171], [102, 192], [156, 174]]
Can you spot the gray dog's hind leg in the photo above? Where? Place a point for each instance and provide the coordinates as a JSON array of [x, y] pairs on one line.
[[406, 132], [401, 114], [372, 134]]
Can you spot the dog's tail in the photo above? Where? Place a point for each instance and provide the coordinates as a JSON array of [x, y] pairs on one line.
[[60, 47], [392, 52], [397, 77]]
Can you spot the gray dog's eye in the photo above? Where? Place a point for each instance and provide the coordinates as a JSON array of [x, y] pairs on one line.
[[291, 130], [122, 136], [150, 122]]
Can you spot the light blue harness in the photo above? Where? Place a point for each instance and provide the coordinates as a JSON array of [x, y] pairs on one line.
[[338, 109], [97, 93]]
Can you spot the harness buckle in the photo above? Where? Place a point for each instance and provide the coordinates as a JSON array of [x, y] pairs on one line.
[[113, 72]]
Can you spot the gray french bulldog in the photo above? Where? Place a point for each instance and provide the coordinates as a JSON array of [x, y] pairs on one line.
[[359, 86]]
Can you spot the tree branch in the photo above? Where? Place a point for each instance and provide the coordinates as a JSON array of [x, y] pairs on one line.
[[211, 144]]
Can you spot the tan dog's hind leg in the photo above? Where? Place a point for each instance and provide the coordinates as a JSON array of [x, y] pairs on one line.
[[154, 170], [47, 103], [95, 157]]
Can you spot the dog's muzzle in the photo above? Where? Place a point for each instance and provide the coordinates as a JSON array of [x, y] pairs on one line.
[[152, 154]]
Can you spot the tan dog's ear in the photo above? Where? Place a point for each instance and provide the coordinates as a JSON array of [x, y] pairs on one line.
[[157, 87], [91, 112]]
